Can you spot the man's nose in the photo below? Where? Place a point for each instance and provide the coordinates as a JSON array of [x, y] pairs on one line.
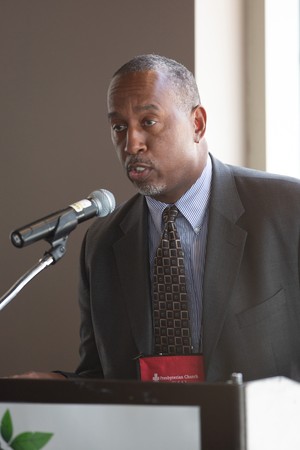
[[135, 141]]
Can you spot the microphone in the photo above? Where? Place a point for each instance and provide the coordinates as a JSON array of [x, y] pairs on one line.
[[59, 224]]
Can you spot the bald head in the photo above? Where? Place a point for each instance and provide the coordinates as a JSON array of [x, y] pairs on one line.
[[181, 81]]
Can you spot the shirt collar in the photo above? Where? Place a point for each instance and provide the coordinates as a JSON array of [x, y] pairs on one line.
[[192, 205]]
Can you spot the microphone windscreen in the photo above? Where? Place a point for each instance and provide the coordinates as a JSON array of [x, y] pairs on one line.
[[104, 200]]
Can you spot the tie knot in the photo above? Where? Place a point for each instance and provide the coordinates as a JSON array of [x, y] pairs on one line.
[[170, 214]]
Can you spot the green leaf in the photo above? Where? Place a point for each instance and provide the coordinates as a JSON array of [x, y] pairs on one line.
[[30, 441], [6, 426]]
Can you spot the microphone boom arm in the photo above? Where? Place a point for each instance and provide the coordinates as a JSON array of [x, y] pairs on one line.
[[56, 252]]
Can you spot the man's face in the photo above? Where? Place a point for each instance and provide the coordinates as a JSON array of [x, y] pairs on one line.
[[156, 139]]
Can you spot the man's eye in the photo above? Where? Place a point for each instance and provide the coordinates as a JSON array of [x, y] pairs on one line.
[[119, 128], [149, 122]]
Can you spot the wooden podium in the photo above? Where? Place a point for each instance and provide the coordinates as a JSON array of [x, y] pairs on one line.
[[258, 415]]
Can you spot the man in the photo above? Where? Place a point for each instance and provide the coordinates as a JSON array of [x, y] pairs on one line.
[[239, 231]]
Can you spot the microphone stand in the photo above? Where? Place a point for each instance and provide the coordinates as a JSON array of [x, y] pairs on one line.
[[56, 252]]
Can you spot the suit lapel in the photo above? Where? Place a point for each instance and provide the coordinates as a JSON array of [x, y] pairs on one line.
[[131, 253], [225, 247]]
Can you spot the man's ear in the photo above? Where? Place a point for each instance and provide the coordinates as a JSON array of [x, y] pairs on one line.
[[199, 123]]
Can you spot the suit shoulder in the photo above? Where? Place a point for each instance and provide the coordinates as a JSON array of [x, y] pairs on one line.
[[259, 177], [267, 190], [235, 189]]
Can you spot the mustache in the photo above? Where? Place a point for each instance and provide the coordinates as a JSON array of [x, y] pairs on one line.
[[134, 160]]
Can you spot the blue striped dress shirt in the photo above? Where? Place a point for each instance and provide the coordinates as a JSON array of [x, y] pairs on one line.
[[191, 224]]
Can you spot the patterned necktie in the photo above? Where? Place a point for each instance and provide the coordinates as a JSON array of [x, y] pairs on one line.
[[170, 305]]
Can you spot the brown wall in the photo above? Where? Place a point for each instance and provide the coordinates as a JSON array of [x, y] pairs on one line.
[[57, 57]]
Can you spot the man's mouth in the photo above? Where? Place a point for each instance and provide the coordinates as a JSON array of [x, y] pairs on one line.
[[138, 172], [137, 169]]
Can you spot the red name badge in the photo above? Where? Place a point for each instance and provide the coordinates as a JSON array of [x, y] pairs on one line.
[[172, 369]]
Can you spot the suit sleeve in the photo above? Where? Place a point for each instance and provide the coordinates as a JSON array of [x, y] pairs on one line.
[[90, 365]]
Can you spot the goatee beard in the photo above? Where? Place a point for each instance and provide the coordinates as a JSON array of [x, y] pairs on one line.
[[151, 190]]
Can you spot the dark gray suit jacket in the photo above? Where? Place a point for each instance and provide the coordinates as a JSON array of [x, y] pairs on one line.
[[251, 298]]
